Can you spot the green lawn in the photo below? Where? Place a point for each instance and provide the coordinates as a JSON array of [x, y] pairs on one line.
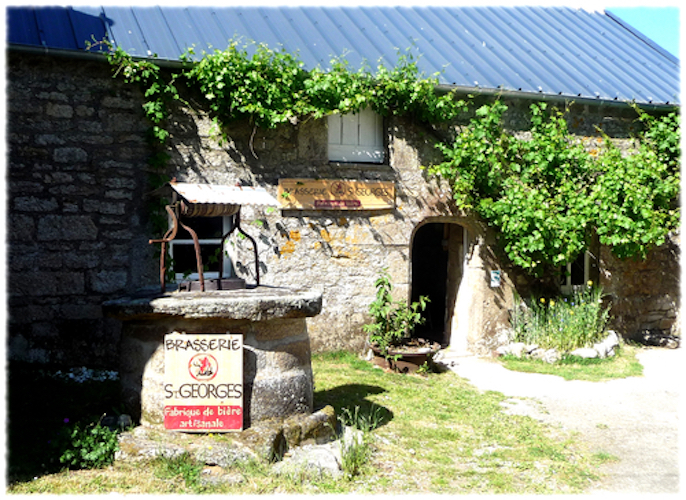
[[624, 364], [433, 434]]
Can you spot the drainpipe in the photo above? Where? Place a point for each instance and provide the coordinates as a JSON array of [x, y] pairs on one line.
[[86, 55], [555, 98]]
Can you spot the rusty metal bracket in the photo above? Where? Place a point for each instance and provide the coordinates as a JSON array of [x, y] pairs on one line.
[[198, 257], [168, 237], [236, 225], [172, 232]]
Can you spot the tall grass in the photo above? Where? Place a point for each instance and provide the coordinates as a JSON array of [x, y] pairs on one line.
[[562, 323]]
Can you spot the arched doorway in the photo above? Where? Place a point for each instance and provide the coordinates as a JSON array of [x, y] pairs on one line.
[[437, 256]]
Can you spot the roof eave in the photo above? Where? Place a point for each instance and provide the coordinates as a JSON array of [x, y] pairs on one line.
[[460, 89], [561, 98]]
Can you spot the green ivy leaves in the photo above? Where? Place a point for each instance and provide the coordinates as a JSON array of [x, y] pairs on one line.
[[546, 194], [635, 200], [266, 86], [271, 87]]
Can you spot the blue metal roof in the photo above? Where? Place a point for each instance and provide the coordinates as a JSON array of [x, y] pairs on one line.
[[544, 50]]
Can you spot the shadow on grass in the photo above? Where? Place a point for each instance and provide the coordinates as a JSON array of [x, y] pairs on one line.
[[351, 396]]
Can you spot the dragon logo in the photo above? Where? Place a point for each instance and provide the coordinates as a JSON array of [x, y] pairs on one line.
[[203, 367], [338, 189]]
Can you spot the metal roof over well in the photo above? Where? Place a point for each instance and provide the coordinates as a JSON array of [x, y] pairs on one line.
[[547, 51], [223, 195]]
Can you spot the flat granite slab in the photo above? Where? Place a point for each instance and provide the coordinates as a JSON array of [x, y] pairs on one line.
[[261, 303]]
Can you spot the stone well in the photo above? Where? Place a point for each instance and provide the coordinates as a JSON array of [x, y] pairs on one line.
[[277, 372]]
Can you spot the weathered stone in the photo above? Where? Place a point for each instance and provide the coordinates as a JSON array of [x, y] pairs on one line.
[[256, 305], [52, 96], [124, 234], [51, 283], [277, 374], [216, 475], [294, 355], [312, 461], [117, 102], [517, 349], [536, 353], [73, 190], [84, 111], [585, 352], [81, 261], [59, 110], [659, 338], [21, 228], [28, 187], [33, 204], [104, 207], [266, 440], [70, 155], [140, 444], [263, 442], [606, 348], [49, 140], [338, 254], [530, 348], [280, 395], [318, 428], [118, 166], [66, 227], [119, 194], [551, 356], [108, 281], [275, 330]]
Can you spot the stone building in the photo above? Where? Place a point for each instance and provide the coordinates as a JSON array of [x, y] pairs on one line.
[[81, 210]]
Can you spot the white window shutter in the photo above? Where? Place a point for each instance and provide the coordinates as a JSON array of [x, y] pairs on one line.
[[356, 137]]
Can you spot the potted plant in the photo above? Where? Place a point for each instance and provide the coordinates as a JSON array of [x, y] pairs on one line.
[[390, 331]]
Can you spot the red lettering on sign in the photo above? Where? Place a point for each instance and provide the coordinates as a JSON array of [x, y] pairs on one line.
[[203, 418], [337, 203]]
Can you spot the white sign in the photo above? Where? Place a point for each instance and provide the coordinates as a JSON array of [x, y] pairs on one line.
[[495, 279], [203, 382]]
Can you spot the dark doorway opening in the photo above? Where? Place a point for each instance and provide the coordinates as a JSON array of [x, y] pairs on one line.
[[430, 278]]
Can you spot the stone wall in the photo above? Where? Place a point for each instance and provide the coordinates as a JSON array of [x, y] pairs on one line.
[[644, 294], [79, 220], [76, 157]]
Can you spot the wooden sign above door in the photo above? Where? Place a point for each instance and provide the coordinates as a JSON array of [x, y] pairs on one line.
[[332, 194]]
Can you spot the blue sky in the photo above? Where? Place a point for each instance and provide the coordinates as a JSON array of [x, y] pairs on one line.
[[660, 24]]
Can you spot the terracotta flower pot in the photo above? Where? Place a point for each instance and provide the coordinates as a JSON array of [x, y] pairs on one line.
[[411, 357]]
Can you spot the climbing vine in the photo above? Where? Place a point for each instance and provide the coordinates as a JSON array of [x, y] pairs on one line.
[[272, 87], [545, 194], [269, 87]]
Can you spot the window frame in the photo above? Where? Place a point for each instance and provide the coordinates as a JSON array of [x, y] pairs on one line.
[[566, 285], [349, 140], [227, 264]]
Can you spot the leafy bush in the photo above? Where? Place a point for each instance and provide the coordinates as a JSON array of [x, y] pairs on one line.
[[565, 323], [392, 320], [547, 195], [86, 447]]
